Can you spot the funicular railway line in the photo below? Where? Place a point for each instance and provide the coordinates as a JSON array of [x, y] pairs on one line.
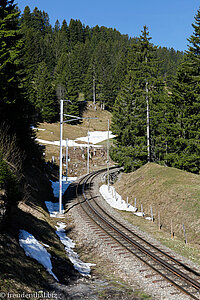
[[183, 277]]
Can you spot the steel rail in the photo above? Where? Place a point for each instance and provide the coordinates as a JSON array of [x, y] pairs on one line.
[[146, 242], [195, 284]]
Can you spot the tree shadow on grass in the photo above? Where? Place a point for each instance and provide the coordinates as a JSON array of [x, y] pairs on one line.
[[25, 271]]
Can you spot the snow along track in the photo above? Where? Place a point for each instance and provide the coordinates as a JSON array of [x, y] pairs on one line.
[[184, 278]]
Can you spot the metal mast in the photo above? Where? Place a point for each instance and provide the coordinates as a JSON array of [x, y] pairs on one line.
[[148, 125], [60, 167], [108, 156], [66, 157], [88, 154]]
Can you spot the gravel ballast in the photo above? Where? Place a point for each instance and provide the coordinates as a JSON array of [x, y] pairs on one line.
[[112, 260]]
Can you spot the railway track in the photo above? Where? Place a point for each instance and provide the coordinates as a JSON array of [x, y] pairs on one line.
[[185, 279]]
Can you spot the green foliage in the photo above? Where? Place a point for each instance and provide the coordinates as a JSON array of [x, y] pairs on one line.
[[39, 65], [44, 97], [169, 59], [14, 110], [79, 59], [8, 181], [185, 147], [141, 91]]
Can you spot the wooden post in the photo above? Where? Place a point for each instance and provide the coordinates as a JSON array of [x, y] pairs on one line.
[[184, 231], [172, 232], [152, 214], [159, 225]]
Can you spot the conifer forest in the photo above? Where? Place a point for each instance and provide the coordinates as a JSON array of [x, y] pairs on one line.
[[152, 92]]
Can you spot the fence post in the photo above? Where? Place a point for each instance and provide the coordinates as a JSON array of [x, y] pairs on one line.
[[152, 214], [172, 232], [159, 225], [142, 209], [184, 231]]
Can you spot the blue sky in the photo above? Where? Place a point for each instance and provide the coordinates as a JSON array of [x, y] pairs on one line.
[[169, 21]]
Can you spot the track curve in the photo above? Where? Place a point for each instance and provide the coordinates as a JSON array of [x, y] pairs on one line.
[[178, 274]]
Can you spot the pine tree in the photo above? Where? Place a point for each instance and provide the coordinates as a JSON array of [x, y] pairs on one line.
[[14, 110], [44, 97], [61, 40], [169, 60], [99, 77], [76, 32], [185, 146], [139, 107]]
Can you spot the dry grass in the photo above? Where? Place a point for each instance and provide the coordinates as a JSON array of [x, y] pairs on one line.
[[52, 131], [172, 193], [77, 164]]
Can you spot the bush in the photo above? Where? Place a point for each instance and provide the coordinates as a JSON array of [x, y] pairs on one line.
[[8, 182]]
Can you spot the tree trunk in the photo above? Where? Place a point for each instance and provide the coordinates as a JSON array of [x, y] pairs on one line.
[[94, 89], [148, 125]]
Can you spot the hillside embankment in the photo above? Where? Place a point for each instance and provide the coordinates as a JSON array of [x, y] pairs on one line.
[[174, 197], [21, 274]]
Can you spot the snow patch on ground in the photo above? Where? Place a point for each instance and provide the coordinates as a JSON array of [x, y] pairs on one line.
[[81, 267], [71, 143], [41, 129], [53, 208], [114, 199], [95, 137], [35, 250]]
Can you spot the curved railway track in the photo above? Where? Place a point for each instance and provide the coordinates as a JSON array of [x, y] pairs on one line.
[[177, 273]]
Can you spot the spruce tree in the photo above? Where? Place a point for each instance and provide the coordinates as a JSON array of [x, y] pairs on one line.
[[15, 111], [44, 97], [61, 40], [139, 108], [185, 146]]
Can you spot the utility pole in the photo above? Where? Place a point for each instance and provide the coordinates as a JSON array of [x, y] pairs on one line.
[[66, 157], [88, 153], [61, 138], [108, 156], [148, 125], [94, 88], [60, 167], [148, 122]]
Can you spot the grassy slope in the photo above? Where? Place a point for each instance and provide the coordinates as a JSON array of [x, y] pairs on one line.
[[19, 273], [52, 132], [173, 193]]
